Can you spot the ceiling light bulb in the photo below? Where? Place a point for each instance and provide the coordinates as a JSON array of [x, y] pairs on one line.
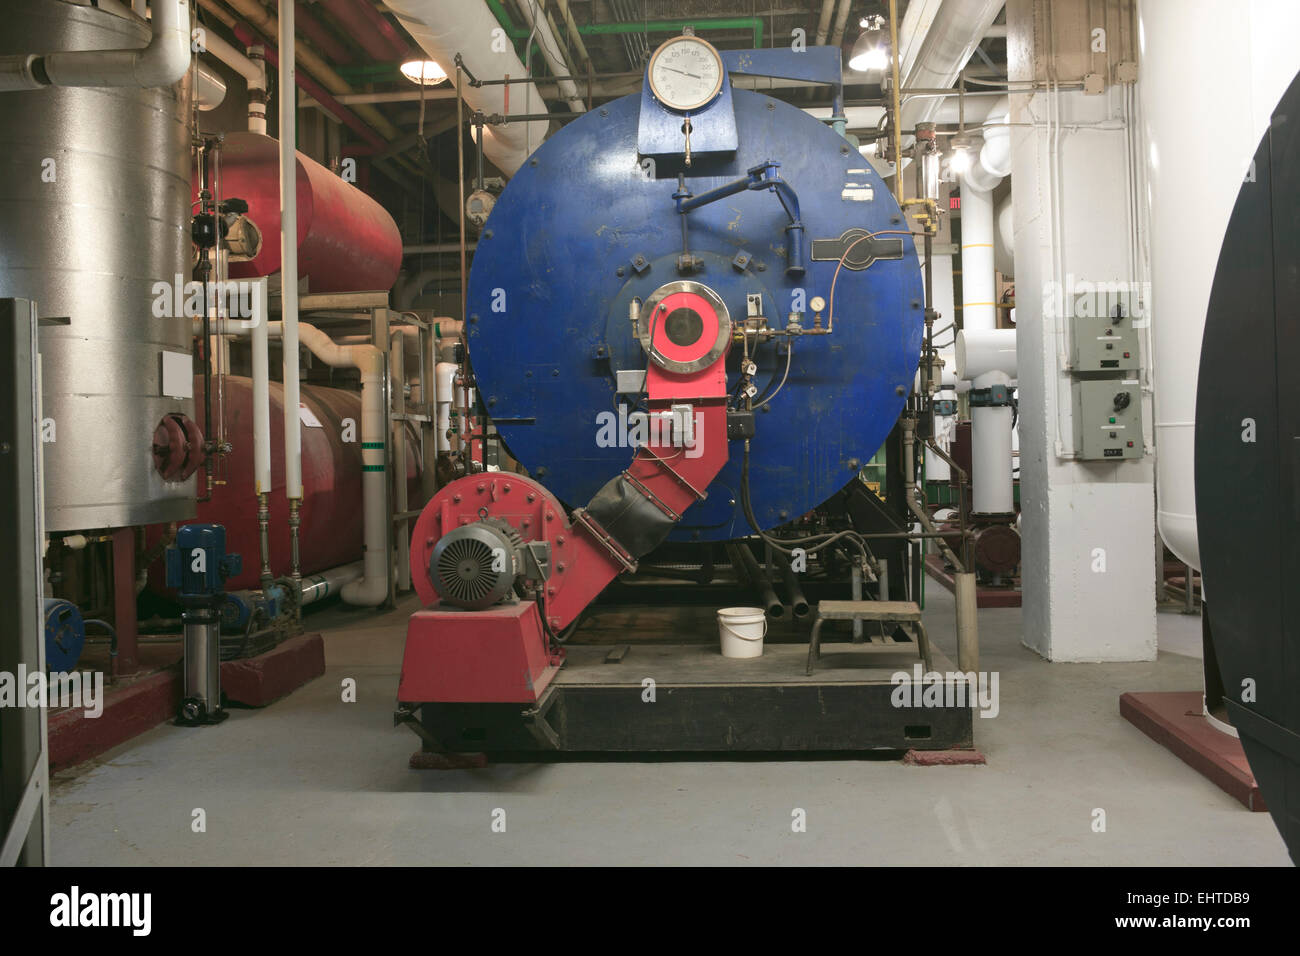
[[423, 72]]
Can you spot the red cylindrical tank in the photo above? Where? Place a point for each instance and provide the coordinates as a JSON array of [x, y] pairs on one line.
[[331, 531], [347, 242]]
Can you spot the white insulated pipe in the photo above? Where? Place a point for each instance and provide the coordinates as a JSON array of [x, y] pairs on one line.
[[317, 587], [162, 62], [252, 68], [947, 40], [260, 334], [445, 377], [444, 28], [986, 356], [372, 588], [209, 88], [289, 256]]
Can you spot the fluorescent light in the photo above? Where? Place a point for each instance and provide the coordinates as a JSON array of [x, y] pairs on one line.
[[424, 72]]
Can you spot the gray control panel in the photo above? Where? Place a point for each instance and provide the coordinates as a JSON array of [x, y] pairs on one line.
[[1108, 419], [1104, 343]]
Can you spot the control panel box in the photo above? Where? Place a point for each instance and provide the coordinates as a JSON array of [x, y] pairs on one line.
[[1108, 419], [1103, 343]]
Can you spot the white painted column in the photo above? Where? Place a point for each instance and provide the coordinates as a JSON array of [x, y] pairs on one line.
[[1086, 527]]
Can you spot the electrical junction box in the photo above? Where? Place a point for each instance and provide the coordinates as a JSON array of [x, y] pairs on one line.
[[1108, 419], [1107, 342]]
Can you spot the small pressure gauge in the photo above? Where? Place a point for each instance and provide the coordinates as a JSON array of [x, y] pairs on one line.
[[817, 303], [685, 73]]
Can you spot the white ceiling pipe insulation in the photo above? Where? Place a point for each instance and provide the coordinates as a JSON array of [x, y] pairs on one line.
[[550, 48], [1194, 172], [939, 43], [162, 62], [444, 28]]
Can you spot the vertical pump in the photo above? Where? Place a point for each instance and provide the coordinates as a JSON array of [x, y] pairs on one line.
[[198, 565]]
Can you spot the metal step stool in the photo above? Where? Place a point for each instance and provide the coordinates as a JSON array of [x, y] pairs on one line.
[[881, 612]]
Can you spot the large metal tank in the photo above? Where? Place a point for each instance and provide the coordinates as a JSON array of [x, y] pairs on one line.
[[332, 526], [586, 226], [347, 242], [94, 210]]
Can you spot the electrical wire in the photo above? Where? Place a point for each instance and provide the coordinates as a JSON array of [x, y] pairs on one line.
[[789, 352], [830, 316]]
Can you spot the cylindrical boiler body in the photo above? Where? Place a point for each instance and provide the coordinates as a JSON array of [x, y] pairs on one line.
[[94, 212]]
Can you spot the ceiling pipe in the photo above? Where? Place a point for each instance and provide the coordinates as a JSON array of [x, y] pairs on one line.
[[444, 28], [939, 53], [162, 62], [269, 25], [252, 68], [841, 18], [824, 22], [554, 60], [397, 43], [317, 92], [352, 18], [319, 35]]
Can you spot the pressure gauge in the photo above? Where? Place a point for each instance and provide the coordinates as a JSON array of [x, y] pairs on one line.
[[685, 73], [817, 303]]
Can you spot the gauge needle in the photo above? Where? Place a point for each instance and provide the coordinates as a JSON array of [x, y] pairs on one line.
[[683, 72]]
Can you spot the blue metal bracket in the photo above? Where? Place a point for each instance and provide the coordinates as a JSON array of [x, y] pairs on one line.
[[713, 126], [762, 176]]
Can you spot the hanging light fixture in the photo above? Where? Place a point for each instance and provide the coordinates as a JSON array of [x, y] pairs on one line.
[[423, 72], [870, 53]]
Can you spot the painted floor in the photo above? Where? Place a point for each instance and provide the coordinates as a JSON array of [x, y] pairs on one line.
[[313, 780]]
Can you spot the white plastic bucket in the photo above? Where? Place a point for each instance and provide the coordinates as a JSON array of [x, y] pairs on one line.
[[741, 630]]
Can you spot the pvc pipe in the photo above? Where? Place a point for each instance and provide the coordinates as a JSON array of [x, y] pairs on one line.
[[289, 256], [161, 63], [372, 588]]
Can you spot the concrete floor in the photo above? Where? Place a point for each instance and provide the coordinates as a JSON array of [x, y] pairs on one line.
[[312, 780]]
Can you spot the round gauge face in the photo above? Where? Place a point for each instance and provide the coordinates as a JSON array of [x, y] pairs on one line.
[[685, 73]]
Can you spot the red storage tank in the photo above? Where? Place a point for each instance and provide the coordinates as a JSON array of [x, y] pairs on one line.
[[331, 531], [347, 242]]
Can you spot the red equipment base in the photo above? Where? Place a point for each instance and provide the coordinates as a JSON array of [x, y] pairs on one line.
[[495, 656], [1174, 719], [139, 703], [984, 597]]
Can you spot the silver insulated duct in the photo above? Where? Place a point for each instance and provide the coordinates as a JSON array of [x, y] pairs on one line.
[[94, 211]]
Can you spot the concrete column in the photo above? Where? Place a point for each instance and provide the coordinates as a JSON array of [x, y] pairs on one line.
[[1089, 590]]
